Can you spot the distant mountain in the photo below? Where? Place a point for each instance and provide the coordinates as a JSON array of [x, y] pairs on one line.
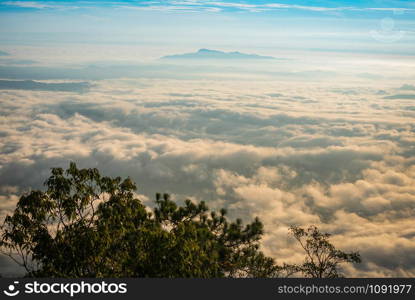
[[215, 54], [2, 53], [6, 61], [78, 87], [407, 87]]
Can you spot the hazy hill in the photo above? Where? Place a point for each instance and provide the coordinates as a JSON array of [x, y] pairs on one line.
[[43, 86], [215, 54]]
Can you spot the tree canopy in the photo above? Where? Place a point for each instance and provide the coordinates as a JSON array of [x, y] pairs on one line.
[[322, 259], [88, 225]]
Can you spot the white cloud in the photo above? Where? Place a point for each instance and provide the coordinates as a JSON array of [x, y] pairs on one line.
[[203, 5], [259, 149], [276, 6], [28, 4], [40, 4]]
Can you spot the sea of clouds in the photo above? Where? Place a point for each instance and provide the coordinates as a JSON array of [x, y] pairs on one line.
[[336, 155]]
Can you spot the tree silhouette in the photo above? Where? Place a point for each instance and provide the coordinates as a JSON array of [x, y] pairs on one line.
[[322, 258], [86, 225]]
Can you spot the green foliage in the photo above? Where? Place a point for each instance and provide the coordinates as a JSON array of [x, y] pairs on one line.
[[322, 258], [86, 225]]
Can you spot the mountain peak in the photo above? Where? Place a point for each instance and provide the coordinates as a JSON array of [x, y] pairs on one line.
[[204, 53], [203, 50], [3, 53]]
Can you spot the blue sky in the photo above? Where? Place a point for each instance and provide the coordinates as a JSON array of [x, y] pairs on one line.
[[181, 25]]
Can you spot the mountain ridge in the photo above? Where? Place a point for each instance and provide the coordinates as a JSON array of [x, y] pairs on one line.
[[204, 53]]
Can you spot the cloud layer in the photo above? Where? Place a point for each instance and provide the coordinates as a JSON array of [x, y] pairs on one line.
[[217, 6], [337, 156]]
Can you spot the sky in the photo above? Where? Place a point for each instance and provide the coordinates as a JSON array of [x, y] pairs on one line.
[[160, 27], [324, 134]]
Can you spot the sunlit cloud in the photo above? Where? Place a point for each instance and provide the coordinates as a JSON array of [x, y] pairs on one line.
[[260, 149]]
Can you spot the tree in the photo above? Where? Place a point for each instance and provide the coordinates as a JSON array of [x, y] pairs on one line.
[[322, 258], [87, 225]]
